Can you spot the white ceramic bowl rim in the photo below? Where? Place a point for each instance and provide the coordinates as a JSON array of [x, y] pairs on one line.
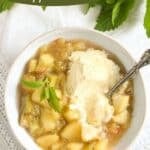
[[56, 32]]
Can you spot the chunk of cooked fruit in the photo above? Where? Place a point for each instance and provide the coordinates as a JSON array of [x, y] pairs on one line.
[[60, 66], [120, 102], [113, 128], [40, 69], [47, 122], [79, 45], [43, 49], [26, 108], [30, 116], [36, 97], [46, 60], [71, 115], [48, 140], [89, 146], [122, 118], [58, 93], [27, 77], [89, 132], [34, 125], [48, 119], [27, 105], [72, 132], [53, 79], [60, 145], [32, 65], [97, 145], [101, 145], [75, 146], [60, 42]]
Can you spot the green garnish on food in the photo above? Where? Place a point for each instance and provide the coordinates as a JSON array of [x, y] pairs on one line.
[[47, 92], [42, 97], [44, 93], [54, 100], [32, 84]]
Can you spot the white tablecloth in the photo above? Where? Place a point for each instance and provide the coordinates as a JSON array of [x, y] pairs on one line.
[[24, 23]]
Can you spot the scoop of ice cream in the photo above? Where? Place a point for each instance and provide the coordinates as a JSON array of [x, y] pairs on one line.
[[90, 76], [92, 65]]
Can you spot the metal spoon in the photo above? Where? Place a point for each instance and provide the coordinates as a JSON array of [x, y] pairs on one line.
[[145, 60]]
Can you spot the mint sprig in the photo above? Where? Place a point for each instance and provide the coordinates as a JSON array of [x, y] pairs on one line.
[[114, 14], [47, 93], [53, 99]]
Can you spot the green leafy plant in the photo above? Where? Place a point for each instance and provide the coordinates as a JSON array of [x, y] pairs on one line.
[[5, 5], [113, 12]]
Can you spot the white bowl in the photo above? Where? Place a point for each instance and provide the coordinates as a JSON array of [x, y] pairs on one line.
[[11, 98]]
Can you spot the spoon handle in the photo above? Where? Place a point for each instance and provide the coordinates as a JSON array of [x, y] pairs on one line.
[[145, 60]]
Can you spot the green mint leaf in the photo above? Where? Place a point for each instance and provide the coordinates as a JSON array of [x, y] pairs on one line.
[[46, 93], [42, 95], [116, 11], [147, 19], [125, 7], [54, 100], [113, 15], [51, 2], [104, 21], [110, 1], [32, 84], [5, 5]]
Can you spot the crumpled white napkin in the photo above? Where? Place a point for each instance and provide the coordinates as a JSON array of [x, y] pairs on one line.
[[24, 23]]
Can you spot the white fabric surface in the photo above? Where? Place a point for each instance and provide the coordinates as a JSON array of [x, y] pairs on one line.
[[24, 23]]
